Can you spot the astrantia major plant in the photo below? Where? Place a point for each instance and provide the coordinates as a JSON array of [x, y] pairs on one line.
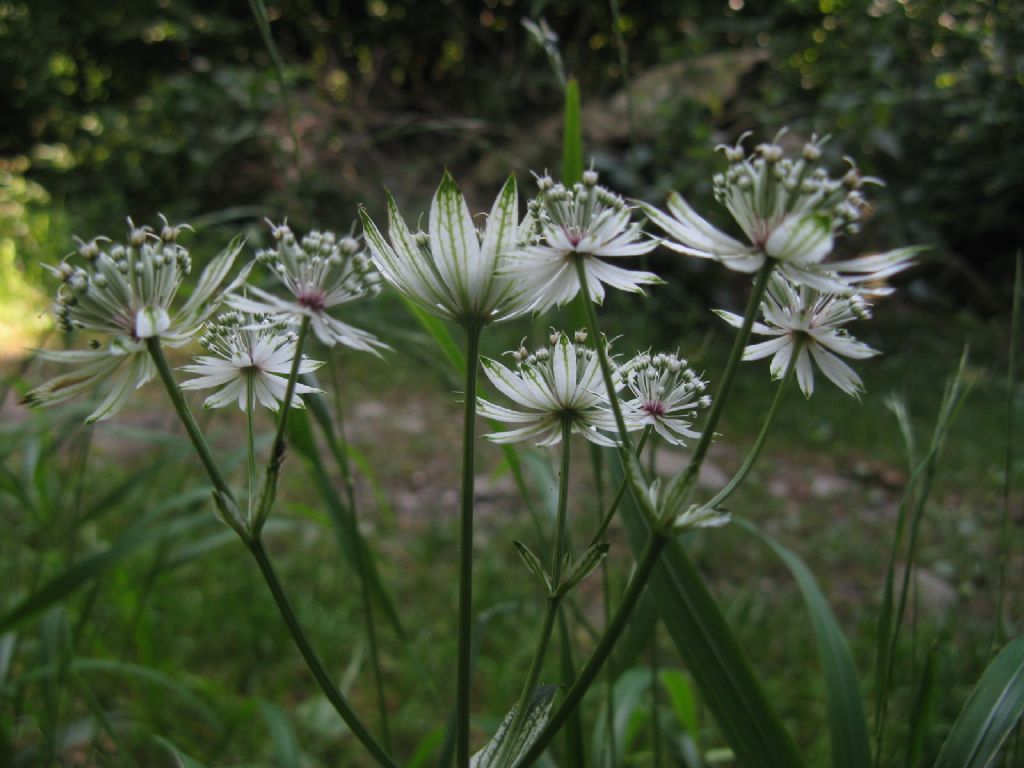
[[570, 243]]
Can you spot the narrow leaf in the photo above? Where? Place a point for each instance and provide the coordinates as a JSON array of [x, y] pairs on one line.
[[990, 714], [538, 711], [848, 726], [713, 656], [572, 135]]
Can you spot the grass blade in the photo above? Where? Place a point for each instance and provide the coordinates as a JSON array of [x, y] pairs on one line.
[[924, 710], [572, 135], [847, 723], [286, 744], [990, 714]]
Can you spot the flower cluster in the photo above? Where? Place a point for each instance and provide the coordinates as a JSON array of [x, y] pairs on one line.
[[125, 292], [583, 222], [321, 271], [666, 395], [808, 324], [454, 271], [791, 211], [555, 384], [250, 359]]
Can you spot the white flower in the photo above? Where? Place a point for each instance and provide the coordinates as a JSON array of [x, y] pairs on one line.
[[791, 211], [248, 348], [665, 394], [126, 292], [320, 272], [453, 271], [809, 324], [585, 222], [554, 383]]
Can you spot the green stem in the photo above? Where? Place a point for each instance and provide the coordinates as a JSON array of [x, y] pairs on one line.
[[277, 451], [683, 483], [613, 508], [655, 544], [250, 408], [187, 419], [330, 690], [755, 449], [602, 352], [553, 601], [465, 626]]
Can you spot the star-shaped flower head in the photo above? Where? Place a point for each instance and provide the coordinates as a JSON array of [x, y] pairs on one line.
[[791, 210], [322, 271], [808, 323], [666, 394], [585, 221], [557, 382], [452, 271], [248, 348], [125, 293]]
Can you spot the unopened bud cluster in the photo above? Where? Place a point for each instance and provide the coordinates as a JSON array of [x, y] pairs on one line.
[[654, 379], [123, 288], [762, 188], [322, 268], [580, 210]]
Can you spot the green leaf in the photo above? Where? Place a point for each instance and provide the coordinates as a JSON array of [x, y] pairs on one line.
[[439, 332], [924, 710], [713, 656], [286, 744], [538, 709], [990, 714], [684, 703], [583, 567], [533, 563], [851, 747], [180, 758], [572, 135]]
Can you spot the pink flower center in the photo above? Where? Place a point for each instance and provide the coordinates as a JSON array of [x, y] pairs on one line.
[[315, 300]]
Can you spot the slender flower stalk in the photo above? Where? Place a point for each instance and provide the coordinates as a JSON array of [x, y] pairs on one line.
[[273, 469], [554, 598], [755, 449], [680, 486], [465, 621], [334, 696]]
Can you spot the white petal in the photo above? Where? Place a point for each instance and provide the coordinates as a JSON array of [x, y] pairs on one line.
[[801, 239]]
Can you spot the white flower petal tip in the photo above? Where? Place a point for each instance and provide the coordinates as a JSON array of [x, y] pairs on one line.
[[802, 240], [320, 271], [250, 360], [700, 517], [453, 271], [554, 383]]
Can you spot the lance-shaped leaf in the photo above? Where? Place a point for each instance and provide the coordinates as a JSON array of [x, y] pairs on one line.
[[538, 711]]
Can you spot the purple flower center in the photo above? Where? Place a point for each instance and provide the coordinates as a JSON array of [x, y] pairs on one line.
[[654, 408], [315, 300]]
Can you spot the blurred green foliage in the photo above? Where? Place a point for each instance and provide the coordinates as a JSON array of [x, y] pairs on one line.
[[134, 106]]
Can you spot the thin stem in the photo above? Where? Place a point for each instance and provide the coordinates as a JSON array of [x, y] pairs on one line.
[[613, 508], [655, 698], [465, 626], [652, 551], [689, 474], [602, 352], [755, 449], [558, 550], [277, 451], [330, 690], [187, 419], [250, 408], [553, 601]]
